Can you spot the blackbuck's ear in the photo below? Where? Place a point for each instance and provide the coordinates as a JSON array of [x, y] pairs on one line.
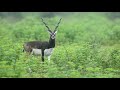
[[55, 31]]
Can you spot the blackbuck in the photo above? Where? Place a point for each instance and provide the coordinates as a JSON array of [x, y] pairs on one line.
[[42, 48]]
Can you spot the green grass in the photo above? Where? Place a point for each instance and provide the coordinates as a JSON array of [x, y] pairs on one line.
[[87, 46]]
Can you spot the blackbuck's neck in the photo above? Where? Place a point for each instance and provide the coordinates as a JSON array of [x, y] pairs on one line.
[[51, 43]]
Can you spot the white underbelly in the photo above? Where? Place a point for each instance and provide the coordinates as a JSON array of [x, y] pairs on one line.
[[47, 52]]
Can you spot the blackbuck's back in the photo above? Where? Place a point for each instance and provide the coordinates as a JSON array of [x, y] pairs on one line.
[[28, 46]]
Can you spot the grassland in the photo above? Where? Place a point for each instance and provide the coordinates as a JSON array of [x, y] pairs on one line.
[[87, 46]]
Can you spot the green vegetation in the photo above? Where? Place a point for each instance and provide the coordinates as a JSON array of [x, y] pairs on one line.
[[87, 46]]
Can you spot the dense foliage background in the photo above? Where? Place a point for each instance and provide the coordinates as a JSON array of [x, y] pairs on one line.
[[87, 45]]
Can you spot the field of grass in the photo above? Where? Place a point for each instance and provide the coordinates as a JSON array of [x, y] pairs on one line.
[[87, 46]]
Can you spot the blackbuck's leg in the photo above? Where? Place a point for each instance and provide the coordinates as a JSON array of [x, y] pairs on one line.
[[49, 58], [42, 55]]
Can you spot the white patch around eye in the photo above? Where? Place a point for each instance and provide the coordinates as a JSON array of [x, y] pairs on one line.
[[55, 32]]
